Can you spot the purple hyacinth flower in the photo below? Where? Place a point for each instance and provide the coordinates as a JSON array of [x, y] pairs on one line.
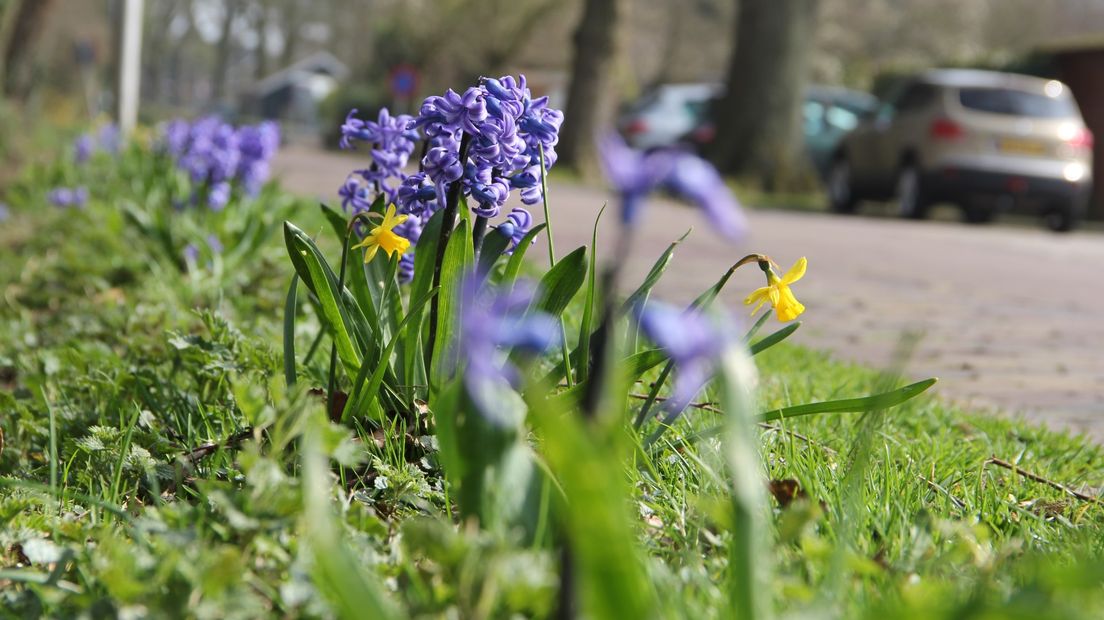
[[5, 212], [489, 197], [109, 138], [355, 196], [442, 165], [516, 226], [83, 147], [693, 340], [214, 243], [66, 197], [354, 129], [416, 195], [191, 253], [218, 196], [634, 175], [493, 324], [406, 268]]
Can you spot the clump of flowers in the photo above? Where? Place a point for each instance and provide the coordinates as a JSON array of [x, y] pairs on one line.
[[488, 142], [66, 197], [219, 158], [106, 139]]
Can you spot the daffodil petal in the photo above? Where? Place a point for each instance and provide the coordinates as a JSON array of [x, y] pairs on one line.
[[796, 272], [759, 294], [759, 306]]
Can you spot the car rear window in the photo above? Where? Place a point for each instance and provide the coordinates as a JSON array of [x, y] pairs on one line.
[[1015, 103]]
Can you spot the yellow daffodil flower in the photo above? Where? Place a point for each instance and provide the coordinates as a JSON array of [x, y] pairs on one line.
[[778, 293], [383, 237]]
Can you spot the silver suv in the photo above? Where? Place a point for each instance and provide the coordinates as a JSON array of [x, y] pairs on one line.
[[986, 141]]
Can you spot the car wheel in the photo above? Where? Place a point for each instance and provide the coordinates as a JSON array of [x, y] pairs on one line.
[[841, 195], [1060, 218], [912, 202]]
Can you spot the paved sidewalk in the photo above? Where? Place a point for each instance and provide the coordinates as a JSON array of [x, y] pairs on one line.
[[1012, 318]]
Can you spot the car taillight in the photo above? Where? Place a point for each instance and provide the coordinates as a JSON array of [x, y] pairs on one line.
[[635, 126], [704, 134], [945, 129], [1083, 139]]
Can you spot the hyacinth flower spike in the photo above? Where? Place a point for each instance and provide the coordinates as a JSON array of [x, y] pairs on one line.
[[778, 293], [383, 236]]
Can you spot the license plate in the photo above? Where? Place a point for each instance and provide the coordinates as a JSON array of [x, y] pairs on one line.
[[1022, 147]]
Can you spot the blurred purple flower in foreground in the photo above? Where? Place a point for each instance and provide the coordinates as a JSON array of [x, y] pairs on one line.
[[635, 175], [492, 324], [693, 340]]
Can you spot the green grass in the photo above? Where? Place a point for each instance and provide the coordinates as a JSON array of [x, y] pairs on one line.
[[155, 463]]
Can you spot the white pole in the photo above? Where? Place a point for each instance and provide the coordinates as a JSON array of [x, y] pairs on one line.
[[130, 65]]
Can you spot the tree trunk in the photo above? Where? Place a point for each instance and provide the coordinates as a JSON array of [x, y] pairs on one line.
[[590, 97], [757, 119], [222, 53], [21, 36], [291, 32], [260, 67]]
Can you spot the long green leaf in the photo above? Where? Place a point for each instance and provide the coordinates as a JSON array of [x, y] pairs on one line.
[[654, 274], [865, 403], [582, 350], [458, 261], [769, 341], [560, 284], [609, 567], [513, 266], [289, 331], [424, 254], [320, 279], [371, 390], [494, 244], [873, 402]]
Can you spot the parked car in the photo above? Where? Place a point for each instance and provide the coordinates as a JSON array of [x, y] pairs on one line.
[[985, 141], [667, 113], [828, 113]]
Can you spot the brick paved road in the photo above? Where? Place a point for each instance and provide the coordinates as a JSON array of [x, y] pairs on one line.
[[1013, 318]]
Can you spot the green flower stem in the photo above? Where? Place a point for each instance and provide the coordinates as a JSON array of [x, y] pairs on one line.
[[568, 374], [479, 230]]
